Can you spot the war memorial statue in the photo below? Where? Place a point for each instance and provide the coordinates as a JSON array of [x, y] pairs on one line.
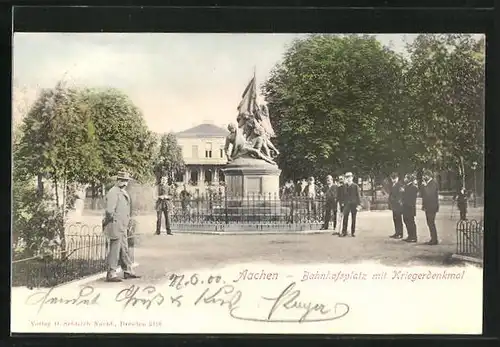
[[251, 137], [251, 167]]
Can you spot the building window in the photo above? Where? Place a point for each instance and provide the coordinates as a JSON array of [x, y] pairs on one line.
[[222, 152], [194, 151], [208, 150]]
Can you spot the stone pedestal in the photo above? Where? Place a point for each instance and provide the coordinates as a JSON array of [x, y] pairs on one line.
[[252, 177], [252, 193]]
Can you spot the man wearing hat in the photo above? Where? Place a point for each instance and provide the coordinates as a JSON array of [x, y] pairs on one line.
[[115, 224], [162, 206], [430, 204], [330, 203], [396, 205], [351, 200], [410, 206]]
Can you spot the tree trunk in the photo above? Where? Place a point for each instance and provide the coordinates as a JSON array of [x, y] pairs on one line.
[[40, 185], [56, 189], [64, 194], [94, 197]]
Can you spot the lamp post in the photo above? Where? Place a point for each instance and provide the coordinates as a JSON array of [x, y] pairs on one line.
[[474, 167]]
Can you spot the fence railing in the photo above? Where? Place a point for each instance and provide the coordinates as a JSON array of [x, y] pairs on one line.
[[253, 208], [470, 238], [79, 254]]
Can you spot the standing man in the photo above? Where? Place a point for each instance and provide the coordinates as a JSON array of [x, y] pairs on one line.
[[310, 192], [410, 206], [430, 204], [116, 224], [185, 201], [396, 205], [330, 203], [340, 191], [461, 199], [162, 206], [351, 200]]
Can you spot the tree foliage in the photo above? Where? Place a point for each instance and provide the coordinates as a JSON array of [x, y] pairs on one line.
[[124, 141], [330, 99], [342, 103], [58, 140], [445, 92], [169, 160]]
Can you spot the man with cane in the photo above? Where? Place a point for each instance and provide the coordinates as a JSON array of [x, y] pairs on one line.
[[116, 224]]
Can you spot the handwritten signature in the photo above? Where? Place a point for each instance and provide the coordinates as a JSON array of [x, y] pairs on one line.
[[287, 301], [289, 306], [85, 297]]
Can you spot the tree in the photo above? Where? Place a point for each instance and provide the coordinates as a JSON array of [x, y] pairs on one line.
[[124, 141], [58, 140], [445, 97], [332, 102], [169, 160]]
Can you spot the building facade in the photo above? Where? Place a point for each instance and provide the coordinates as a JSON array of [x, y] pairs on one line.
[[203, 152]]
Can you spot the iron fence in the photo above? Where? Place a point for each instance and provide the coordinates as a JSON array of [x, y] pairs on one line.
[[250, 209], [470, 238], [81, 253]]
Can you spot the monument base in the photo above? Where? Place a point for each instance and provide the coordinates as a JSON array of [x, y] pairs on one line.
[[252, 192], [250, 178]]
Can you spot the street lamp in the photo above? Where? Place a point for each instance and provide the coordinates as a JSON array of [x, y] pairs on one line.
[[474, 167]]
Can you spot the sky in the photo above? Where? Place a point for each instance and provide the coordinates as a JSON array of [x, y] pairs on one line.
[[177, 80]]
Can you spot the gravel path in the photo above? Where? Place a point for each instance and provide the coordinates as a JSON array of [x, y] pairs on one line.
[[159, 255]]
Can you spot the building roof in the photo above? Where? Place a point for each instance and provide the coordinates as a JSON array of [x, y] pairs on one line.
[[203, 130]]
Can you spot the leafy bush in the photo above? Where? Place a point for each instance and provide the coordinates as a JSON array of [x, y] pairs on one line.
[[37, 222]]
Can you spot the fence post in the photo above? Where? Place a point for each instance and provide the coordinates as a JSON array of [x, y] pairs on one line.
[[225, 209]]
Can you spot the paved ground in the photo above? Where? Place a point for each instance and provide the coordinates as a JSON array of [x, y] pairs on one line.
[[158, 255]]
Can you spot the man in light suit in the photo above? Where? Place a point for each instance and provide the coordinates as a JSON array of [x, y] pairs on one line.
[[116, 223], [430, 204]]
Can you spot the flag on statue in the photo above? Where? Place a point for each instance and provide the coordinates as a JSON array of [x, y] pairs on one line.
[[248, 102]]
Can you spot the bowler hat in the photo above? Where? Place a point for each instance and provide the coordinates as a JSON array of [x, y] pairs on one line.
[[123, 175]]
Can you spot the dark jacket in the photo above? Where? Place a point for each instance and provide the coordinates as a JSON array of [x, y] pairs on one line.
[[430, 197], [351, 194], [410, 199], [162, 204], [331, 194], [461, 199], [340, 193], [396, 197]]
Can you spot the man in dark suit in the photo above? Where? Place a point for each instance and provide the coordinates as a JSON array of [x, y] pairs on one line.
[[430, 204], [396, 205], [340, 191], [162, 206], [351, 200], [410, 206], [330, 191], [461, 199]]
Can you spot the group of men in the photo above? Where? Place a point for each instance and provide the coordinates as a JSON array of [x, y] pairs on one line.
[[346, 195], [403, 203]]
